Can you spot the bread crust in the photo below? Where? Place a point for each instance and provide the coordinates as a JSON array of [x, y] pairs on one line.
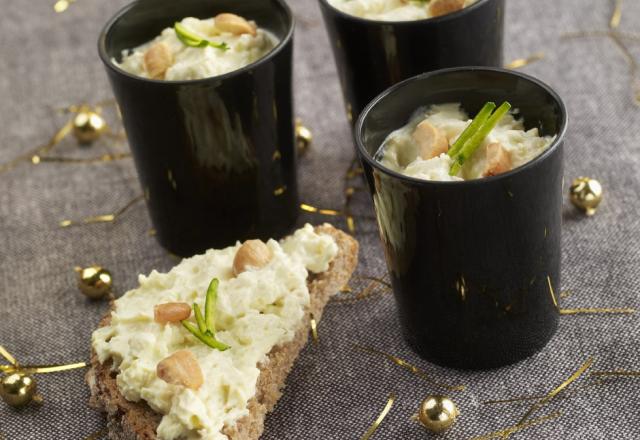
[[137, 421]]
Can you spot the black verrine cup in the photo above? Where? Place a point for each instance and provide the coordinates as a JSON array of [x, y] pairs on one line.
[[470, 261], [373, 55], [215, 156]]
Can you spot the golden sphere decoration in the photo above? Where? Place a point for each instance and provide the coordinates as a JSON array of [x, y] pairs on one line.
[[17, 389], [586, 194], [304, 137], [437, 413], [94, 282], [88, 125]]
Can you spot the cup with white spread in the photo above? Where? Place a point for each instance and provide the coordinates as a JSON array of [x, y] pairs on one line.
[[465, 168], [205, 93], [378, 43]]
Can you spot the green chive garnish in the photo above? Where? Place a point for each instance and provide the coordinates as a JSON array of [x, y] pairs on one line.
[[477, 122], [475, 139], [190, 39], [199, 318], [205, 331], [210, 306], [205, 338]]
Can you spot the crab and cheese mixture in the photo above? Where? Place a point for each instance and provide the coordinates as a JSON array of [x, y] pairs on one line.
[[399, 10], [234, 43], [419, 149], [262, 297]]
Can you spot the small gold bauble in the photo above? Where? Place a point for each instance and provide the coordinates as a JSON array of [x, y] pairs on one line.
[[94, 281], [586, 194], [17, 389], [437, 413], [88, 126], [304, 137]]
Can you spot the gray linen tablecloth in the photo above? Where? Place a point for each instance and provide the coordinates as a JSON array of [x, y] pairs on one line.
[[334, 392]]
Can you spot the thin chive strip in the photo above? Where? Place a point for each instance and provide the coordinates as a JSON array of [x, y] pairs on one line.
[[190, 39], [477, 122], [205, 331], [199, 318], [205, 338], [210, 306], [474, 142]]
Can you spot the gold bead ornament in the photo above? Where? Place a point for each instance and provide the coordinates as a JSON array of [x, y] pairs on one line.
[[17, 389], [304, 137], [586, 194], [88, 126], [94, 282], [437, 413]]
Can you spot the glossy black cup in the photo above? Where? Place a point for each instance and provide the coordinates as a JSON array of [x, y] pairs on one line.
[[215, 156], [470, 261], [373, 55]]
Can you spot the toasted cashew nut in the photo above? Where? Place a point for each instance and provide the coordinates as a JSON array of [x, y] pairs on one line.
[[181, 368], [234, 24], [443, 7], [157, 60], [498, 160], [431, 141], [252, 254], [171, 312]]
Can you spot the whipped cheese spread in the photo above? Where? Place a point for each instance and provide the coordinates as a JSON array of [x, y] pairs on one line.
[[190, 63], [255, 311], [388, 10], [399, 151]]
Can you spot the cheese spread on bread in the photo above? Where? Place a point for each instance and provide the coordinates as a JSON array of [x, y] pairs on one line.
[[256, 310]]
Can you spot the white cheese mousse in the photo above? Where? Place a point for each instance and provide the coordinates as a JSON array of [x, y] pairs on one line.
[[414, 151], [235, 43], [257, 309], [399, 10]]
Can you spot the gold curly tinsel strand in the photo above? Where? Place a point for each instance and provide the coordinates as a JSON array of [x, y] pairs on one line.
[[409, 367], [353, 171], [586, 311], [375, 284], [576, 390], [618, 38], [38, 155], [104, 218], [34, 369], [8, 356], [526, 421], [553, 393], [15, 367], [40, 369], [521, 62], [40, 150], [314, 329], [506, 432], [374, 426], [62, 5]]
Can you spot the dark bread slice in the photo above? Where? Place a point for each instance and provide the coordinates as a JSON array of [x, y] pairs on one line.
[[137, 421]]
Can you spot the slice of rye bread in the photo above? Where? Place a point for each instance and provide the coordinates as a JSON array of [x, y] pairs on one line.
[[137, 421]]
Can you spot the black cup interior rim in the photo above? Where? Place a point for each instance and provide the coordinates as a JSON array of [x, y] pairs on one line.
[[365, 154], [102, 50], [441, 18]]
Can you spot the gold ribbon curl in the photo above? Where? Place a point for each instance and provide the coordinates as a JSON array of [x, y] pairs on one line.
[[411, 368], [586, 311], [374, 426], [104, 218]]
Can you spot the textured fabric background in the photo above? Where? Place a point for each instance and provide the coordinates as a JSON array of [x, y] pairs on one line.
[[50, 60]]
